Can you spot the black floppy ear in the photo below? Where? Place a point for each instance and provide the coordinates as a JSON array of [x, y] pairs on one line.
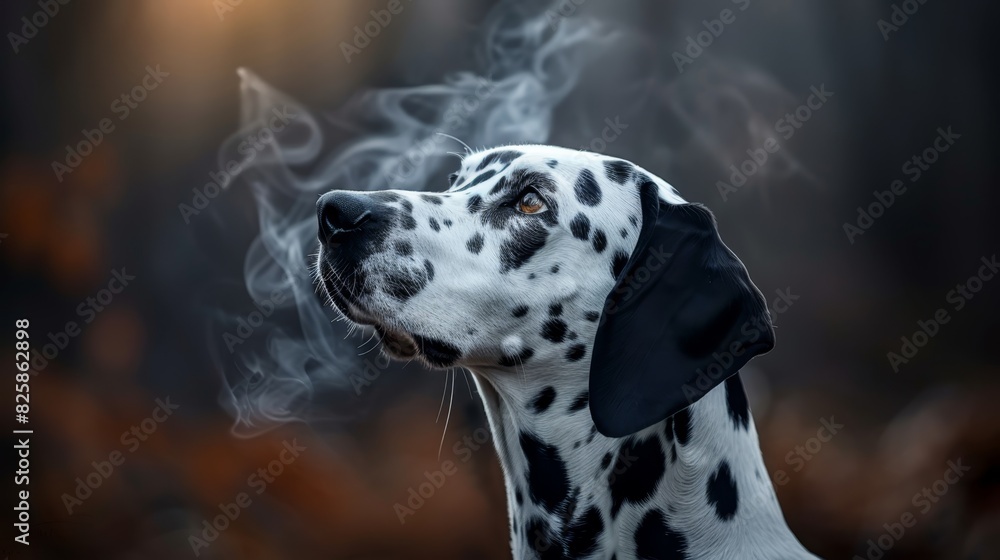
[[683, 316]]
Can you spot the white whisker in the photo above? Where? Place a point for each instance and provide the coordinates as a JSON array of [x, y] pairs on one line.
[[448, 418]]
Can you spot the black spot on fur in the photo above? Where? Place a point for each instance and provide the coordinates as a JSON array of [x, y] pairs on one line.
[[555, 309], [475, 244], [447, 223], [580, 226], [606, 460], [682, 426], [407, 222], [429, 269], [581, 535], [403, 286], [638, 469], [522, 245], [576, 352], [544, 400], [531, 276], [431, 198], [502, 184], [571, 336], [476, 180], [634, 220], [600, 241], [406, 205], [618, 171], [624, 233], [736, 401], [548, 484], [554, 330], [518, 496], [554, 269], [618, 263], [580, 402], [385, 196], [722, 492], [434, 224], [499, 156], [592, 316], [588, 192], [403, 248], [538, 537], [520, 311], [475, 204], [551, 163], [438, 353], [656, 540], [519, 359]]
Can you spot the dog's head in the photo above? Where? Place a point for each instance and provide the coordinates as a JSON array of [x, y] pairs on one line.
[[549, 257]]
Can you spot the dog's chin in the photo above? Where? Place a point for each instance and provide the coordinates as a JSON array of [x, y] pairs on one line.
[[398, 344]]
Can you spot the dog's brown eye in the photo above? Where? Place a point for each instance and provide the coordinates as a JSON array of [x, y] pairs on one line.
[[531, 203]]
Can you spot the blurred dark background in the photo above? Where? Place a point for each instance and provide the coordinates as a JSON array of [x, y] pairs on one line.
[[67, 233]]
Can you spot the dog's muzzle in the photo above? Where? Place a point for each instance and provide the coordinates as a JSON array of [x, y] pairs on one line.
[[350, 225]]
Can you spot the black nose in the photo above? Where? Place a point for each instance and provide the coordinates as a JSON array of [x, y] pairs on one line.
[[342, 214]]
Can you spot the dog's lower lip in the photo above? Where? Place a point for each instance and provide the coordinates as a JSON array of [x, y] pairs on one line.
[[396, 342]]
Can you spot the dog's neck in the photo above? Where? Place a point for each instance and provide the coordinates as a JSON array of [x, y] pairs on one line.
[[572, 491]]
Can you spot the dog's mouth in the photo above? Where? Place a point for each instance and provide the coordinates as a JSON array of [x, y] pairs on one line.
[[398, 343]]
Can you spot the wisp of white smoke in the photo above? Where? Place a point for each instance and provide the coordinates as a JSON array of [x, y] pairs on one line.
[[530, 62]]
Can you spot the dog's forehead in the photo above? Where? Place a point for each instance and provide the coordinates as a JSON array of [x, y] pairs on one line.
[[482, 167]]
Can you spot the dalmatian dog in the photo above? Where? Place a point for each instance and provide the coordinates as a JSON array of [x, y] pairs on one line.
[[605, 323]]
